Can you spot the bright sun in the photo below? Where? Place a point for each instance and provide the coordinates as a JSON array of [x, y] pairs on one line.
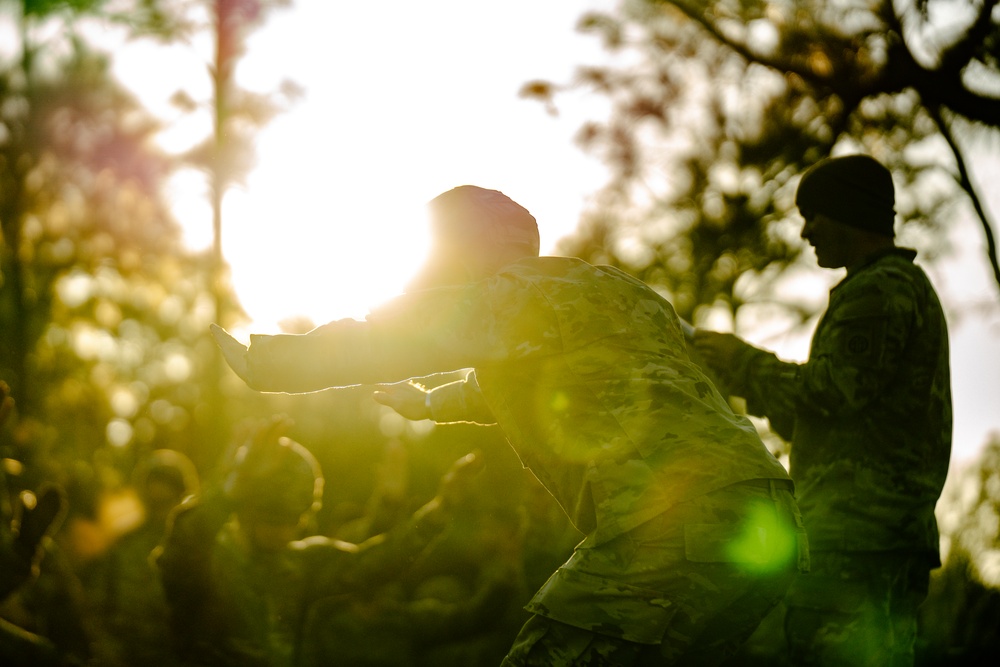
[[332, 220], [289, 258]]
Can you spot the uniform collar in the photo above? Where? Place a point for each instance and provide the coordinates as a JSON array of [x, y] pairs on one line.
[[906, 253]]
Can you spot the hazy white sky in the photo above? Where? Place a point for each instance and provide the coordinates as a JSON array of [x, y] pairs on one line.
[[404, 100]]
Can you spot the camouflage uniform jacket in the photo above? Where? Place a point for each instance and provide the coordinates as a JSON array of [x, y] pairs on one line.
[[869, 414], [583, 367]]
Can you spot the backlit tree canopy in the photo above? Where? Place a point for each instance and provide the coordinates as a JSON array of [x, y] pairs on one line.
[[717, 106]]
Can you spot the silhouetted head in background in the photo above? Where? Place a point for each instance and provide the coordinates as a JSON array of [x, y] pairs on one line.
[[163, 480], [277, 490], [848, 207]]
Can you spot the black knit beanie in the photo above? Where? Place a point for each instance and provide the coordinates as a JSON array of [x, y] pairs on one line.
[[855, 190]]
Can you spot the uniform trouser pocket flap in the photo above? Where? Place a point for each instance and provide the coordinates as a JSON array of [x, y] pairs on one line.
[[815, 591], [604, 606]]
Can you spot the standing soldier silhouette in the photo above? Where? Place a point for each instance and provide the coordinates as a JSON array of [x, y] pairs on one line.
[[869, 419]]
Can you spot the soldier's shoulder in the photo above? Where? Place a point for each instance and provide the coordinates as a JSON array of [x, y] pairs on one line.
[[893, 281], [547, 265], [896, 268]]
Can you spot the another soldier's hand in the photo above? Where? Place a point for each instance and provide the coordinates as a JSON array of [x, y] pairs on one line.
[[718, 350], [253, 454], [457, 483], [408, 398], [38, 515]]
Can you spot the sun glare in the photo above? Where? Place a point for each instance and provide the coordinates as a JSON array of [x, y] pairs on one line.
[[289, 259], [331, 221]]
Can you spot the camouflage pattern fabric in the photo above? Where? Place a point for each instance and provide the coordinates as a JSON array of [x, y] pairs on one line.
[[586, 371], [856, 609], [869, 414], [869, 417], [687, 588]]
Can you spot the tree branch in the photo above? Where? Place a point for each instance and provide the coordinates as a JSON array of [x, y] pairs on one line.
[[958, 55], [966, 184], [696, 13]]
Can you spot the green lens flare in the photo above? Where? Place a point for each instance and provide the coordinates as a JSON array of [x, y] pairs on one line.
[[766, 544]]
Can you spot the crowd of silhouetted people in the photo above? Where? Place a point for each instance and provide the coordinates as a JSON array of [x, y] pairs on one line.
[[114, 578]]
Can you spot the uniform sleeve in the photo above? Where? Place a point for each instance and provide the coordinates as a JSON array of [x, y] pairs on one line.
[[770, 387], [415, 335], [855, 356], [502, 318], [460, 401]]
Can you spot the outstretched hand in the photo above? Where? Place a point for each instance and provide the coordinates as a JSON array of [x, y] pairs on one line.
[[408, 398], [39, 513], [251, 456], [457, 483], [234, 352], [35, 515]]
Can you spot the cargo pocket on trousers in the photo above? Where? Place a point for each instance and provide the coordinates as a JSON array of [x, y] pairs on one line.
[[604, 606]]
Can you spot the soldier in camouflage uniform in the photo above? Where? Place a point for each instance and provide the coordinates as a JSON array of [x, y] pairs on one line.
[[692, 531], [241, 575], [124, 588], [869, 419]]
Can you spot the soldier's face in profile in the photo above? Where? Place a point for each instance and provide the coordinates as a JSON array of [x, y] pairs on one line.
[[833, 241]]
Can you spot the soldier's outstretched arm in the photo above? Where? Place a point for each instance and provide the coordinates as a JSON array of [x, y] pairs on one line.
[[340, 354], [397, 341]]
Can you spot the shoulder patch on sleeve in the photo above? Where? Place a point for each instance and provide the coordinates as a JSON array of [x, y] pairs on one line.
[[862, 340], [858, 343]]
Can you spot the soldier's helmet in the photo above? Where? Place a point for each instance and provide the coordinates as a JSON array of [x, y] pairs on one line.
[[283, 485]]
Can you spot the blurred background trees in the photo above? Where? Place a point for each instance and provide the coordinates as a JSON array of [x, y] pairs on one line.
[[104, 313], [717, 106], [94, 302], [959, 621]]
